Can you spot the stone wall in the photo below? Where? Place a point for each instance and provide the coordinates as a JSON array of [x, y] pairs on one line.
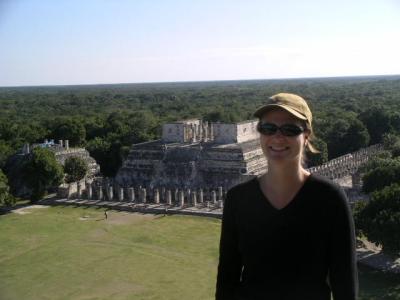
[[227, 133], [247, 131], [195, 130], [188, 131]]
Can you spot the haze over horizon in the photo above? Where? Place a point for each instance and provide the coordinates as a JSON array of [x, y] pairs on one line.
[[103, 42]]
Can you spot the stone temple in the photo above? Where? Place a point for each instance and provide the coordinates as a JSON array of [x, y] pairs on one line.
[[195, 154]]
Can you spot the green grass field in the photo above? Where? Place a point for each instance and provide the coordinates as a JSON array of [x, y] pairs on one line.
[[74, 253]]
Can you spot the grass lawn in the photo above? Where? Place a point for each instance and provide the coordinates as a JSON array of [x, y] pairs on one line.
[[74, 253]]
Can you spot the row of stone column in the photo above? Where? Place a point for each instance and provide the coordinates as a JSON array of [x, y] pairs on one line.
[[338, 169], [347, 164], [177, 197]]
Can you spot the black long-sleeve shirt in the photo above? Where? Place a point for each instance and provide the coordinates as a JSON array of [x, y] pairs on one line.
[[305, 250]]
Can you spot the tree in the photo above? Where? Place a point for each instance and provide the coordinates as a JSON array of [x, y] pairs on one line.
[[346, 135], [356, 136], [384, 173], [389, 140], [76, 168], [99, 149], [396, 150], [71, 129], [5, 197], [41, 171], [395, 122], [5, 152], [379, 219], [383, 158], [377, 120]]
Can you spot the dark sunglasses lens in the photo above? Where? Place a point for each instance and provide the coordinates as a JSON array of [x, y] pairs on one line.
[[291, 130], [267, 128]]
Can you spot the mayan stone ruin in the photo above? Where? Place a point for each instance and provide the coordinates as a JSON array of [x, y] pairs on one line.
[[190, 169], [193, 154]]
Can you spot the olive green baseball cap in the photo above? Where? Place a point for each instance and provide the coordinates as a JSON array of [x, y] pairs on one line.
[[292, 103]]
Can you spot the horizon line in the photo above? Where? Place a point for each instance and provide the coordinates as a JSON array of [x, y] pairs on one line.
[[198, 81]]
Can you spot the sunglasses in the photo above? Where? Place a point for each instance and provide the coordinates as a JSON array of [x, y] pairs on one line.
[[285, 129]]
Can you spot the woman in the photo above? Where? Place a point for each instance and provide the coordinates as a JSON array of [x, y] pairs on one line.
[[288, 234]]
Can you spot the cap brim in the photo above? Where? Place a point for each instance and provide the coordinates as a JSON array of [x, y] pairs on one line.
[[262, 110]]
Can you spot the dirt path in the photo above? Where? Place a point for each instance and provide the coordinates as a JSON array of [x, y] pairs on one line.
[[28, 209], [371, 255]]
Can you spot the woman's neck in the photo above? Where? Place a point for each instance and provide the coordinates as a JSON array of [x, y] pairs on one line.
[[280, 176], [281, 183]]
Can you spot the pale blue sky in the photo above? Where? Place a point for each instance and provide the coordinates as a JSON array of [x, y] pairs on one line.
[[46, 42]]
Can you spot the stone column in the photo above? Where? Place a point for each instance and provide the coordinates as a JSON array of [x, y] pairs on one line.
[[168, 197], [131, 194], [100, 195], [60, 143], [220, 204], [200, 131], [89, 191], [69, 192], [192, 130], [213, 197], [140, 195], [206, 131], [79, 191], [66, 144], [162, 198], [144, 195], [181, 200], [110, 193], [201, 196], [194, 199], [176, 194], [156, 196], [220, 193], [121, 194]]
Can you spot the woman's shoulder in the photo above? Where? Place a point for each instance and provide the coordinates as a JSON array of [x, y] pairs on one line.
[[240, 194], [244, 187], [323, 182], [325, 188]]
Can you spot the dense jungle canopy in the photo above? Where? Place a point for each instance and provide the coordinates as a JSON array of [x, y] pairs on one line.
[[349, 112]]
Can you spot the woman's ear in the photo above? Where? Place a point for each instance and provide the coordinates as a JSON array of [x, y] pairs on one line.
[[306, 137]]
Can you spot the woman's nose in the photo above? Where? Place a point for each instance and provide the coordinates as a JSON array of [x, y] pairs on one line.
[[278, 134]]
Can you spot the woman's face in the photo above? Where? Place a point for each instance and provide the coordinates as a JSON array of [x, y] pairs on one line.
[[279, 148]]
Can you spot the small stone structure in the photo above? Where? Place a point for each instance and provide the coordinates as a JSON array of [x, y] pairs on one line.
[[62, 151]]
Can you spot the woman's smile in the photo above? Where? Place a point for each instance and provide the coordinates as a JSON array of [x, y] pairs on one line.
[[278, 149]]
